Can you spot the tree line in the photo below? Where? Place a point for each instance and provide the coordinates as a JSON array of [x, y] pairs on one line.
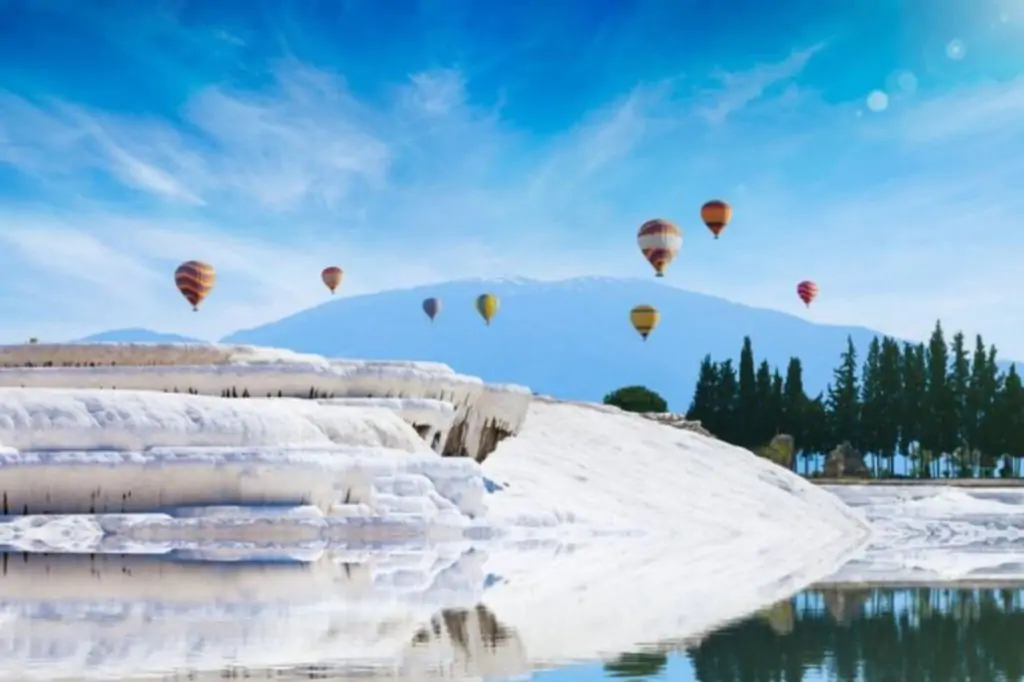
[[948, 408]]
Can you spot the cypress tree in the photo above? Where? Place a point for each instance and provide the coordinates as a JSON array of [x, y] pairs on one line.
[[890, 387], [702, 407], [816, 429], [775, 404], [763, 420], [726, 403], [938, 428], [872, 405], [912, 409], [1010, 408], [989, 388], [746, 400], [959, 385], [794, 404], [844, 398]]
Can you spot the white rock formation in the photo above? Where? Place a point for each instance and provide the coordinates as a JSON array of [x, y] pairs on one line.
[[480, 416]]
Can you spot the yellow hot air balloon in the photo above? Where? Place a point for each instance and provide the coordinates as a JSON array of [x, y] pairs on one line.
[[487, 306], [645, 319], [195, 281], [332, 277], [659, 241]]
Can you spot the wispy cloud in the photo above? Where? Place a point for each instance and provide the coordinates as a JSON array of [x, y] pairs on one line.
[[737, 90], [424, 183]]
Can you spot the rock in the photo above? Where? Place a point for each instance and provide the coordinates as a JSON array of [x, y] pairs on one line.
[[678, 421], [781, 450], [846, 462]]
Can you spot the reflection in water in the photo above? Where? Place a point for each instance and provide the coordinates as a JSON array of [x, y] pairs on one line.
[[346, 615], [420, 616], [873, 635]]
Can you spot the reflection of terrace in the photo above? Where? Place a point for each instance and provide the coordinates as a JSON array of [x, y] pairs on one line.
[[456, 644]]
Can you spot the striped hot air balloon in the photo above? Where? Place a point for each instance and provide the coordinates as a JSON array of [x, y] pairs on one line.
[[807, 291], [644, 318], [195, 281], [487, 306], [431, 306], [716, 215], [659, 241], [332, 277]]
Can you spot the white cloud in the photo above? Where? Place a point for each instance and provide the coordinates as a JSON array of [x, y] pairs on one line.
[[429, 185], [989, 108], [741, 88]]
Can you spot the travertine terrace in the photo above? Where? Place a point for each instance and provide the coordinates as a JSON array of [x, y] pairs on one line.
[[458, 415]]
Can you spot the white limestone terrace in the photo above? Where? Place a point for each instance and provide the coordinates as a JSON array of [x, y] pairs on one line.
[[479, 417], [665, 533]]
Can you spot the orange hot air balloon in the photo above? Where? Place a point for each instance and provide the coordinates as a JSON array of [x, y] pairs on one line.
[[195, 281], [807, 291], [332, 277], [659, 241], [716, 215]]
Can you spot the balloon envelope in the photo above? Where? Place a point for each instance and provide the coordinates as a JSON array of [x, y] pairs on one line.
[[716, 214], [195, 280], [332, 277], [659, 242], [644, 319], [807, 291], [431, 306], [487, 306]]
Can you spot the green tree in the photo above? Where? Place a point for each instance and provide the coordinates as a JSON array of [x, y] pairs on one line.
[[775, 403], [794, 405], [959, 386], [763, 419], [817, 433], [989, 385], [938, 432], [844, 398], [726, 402], [914, 373], [872, 404], [890, 387], [1010, 420], [636, 399], [746, 400], [705, 393]]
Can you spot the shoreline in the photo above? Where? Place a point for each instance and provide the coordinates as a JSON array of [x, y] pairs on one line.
[[924, 482]]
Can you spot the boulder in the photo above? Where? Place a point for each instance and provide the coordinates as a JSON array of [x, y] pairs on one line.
[[846, 462]]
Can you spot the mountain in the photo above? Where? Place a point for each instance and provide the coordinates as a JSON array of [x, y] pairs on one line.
[[136, 335], [571, 339]]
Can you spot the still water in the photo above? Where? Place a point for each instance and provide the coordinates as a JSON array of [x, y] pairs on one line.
[[940, 634], [129, 617]]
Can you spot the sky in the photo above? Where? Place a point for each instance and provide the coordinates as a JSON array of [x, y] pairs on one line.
[[876, 148]]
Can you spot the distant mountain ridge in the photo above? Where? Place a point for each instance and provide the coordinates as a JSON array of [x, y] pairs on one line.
[[136, 335], [570, 338]]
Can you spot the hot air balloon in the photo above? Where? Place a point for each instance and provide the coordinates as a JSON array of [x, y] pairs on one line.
[[659, 240], [716, 215], [645, 319], [807, 291], [195, 281], [431, 306], [487, 306], [332, 277]]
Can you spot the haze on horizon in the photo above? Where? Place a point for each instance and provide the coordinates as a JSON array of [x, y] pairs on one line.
[[878, 151]]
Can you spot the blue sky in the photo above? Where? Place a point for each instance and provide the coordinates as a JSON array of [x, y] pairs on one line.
[[875, 147]]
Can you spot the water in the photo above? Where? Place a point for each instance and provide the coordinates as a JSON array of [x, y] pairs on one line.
[[923, 634], [125, 617]]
